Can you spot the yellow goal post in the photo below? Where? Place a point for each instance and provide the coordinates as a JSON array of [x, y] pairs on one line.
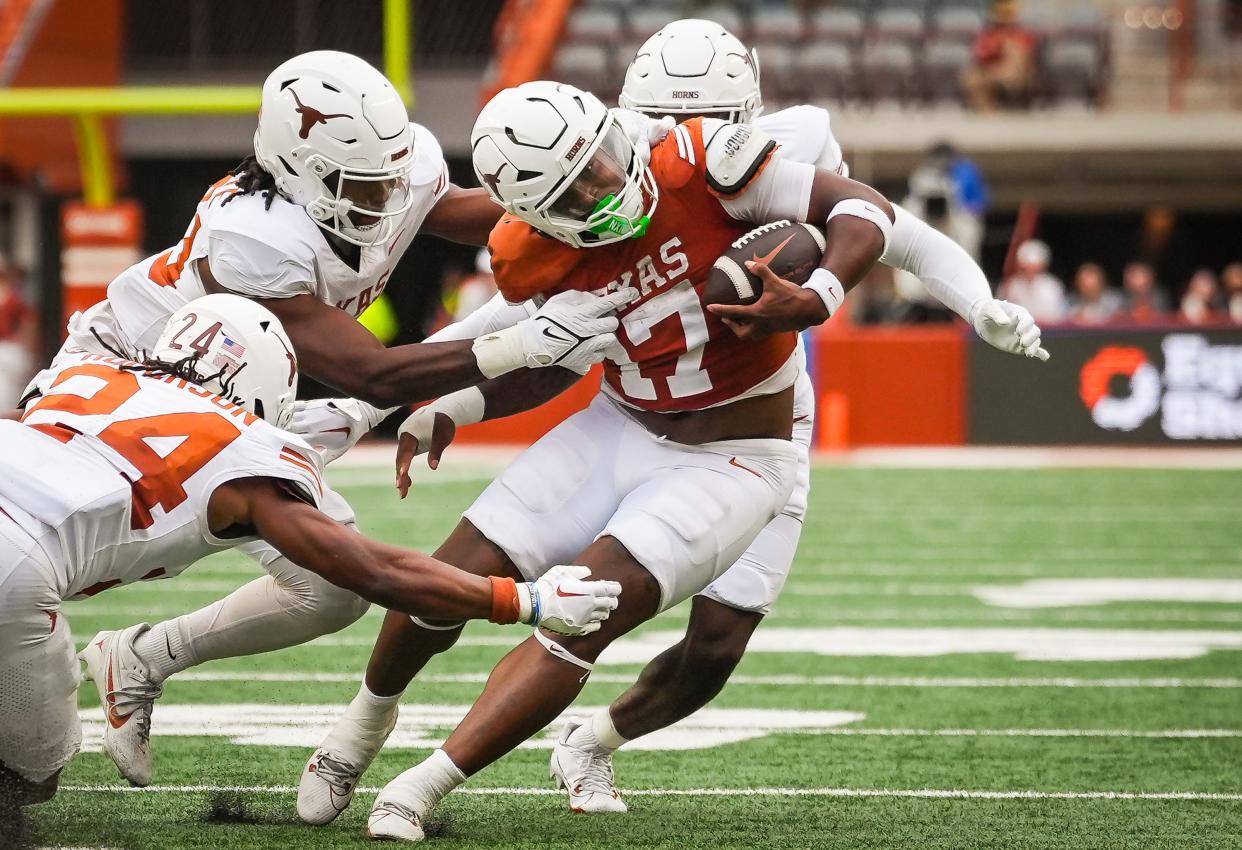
[[87, 105]]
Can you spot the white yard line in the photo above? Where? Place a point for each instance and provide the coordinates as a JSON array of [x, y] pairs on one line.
[[789, 613], [1034, 733], [764, 681], [921, 793], [476, 459]]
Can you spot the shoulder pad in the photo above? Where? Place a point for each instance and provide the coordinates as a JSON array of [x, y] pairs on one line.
[[428, 162], [736, 153], [295, 463], [284, 226], [526, 263], [263, 262]]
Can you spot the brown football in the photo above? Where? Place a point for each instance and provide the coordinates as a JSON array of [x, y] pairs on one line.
[[791, 249]]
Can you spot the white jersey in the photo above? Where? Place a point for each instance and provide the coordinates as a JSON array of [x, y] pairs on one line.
[[260, 253], [112, 469], [804, 134]]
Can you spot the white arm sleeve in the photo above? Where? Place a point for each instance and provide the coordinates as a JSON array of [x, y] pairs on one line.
[[805, 135], [782, 190], [497, 314], [945, 268], [254, 268]]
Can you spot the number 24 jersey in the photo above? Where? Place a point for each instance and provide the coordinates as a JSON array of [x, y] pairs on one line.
[[119, 463]]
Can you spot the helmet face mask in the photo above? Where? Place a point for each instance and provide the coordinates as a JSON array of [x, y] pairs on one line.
[[605, 199], [554, 156], [235, 348], [364, 205], [336, 138], [694, 67]]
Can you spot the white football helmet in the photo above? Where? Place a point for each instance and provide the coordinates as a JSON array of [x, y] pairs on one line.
[[554, 156], [335, 136], [236, 348], [692, 67]]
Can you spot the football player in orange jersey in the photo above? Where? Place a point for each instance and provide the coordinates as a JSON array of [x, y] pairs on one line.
[[122, 472], [686, 454]]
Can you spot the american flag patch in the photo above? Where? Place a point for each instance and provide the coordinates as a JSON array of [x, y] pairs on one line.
[[235, 349]]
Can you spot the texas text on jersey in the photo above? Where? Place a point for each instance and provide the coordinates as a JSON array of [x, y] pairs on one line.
[[679, 356], [113, 466]]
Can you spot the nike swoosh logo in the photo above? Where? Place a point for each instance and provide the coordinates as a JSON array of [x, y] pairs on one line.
[[562, 593], [548, 333], [337, 431], [733, 462], [767, 259], [169, 645], [114, 719]]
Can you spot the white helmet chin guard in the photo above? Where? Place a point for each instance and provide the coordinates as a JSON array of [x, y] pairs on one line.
[[694, 67], [335, 136], [554, 156], [237, 349]]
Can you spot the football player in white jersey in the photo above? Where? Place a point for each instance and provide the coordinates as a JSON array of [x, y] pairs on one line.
[[689, 68], [122, 472], [312, 226]]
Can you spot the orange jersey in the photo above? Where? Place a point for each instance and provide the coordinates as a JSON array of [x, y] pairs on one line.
[[680, 356]]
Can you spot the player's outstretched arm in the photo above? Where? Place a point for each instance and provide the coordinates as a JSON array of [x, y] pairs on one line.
[[431, 429], [334, 348], [463, 215], [572, 329], [402, 579], [955, 279]]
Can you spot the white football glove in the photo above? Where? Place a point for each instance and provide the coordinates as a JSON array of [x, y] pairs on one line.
[[333, 426], [573, 329], [1009, 327], [562, 601], [643, 131]]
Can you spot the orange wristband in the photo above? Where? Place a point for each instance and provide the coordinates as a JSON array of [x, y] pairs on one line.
[[506, 608]]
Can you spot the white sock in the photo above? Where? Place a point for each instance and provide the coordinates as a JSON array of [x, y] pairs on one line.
[[260, 616], [598, 734], [368, 709], [163, 650], [423, 786]]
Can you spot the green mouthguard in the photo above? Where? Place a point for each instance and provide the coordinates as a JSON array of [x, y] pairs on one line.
[[618, 224]]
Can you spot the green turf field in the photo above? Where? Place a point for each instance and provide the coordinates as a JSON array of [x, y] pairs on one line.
[[914, 689]]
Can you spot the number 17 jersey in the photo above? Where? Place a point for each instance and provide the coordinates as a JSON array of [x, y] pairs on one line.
[[113, 467], [679, 356]]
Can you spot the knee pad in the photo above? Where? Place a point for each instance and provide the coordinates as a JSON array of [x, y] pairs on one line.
[[333, 606]]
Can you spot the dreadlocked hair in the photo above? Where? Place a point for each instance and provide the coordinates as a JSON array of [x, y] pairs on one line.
[[187, 369], [252, 178]]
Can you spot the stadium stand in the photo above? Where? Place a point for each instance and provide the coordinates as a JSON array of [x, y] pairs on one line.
[[865, 51]]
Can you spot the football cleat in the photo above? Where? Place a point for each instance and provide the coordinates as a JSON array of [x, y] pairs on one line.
[[332, 772], [394, 821], [127, 695], [586, 774]]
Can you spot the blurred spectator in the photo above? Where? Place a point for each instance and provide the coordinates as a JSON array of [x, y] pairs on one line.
[[476, 290], [1145, 300], [17, 335], [1231, 282], [1200, 303], [1031, 285], [1094, 302], [948, 191], [1003, 72]]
